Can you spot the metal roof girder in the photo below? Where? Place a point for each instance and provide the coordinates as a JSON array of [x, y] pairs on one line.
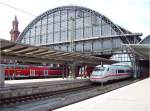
[[48, 52], [38, 51]]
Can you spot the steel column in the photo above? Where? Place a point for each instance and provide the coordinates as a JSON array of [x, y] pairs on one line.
[[2, 76], [63, 71]]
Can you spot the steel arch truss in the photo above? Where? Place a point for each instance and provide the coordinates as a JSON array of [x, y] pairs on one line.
[[118, 29]]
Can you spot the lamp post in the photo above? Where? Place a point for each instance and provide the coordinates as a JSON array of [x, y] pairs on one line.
[[72, 34], [72, 66]]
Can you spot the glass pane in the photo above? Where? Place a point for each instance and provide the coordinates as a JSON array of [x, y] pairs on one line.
[[56, 36], [44, 21], [50, 18], [64, 36], [79, 47], [56, 27], [32, 32], [106, 30], [63, 26], [38, 23], [87, 46], [57, 16], [50, 37], [113, 32], [37, 40], [38, 30], [87, 32], [50, 28], [87, 21], [107, 44], [44, 29], [79, 34], [64, 15], [69, 35], [117, 42], [87, 14], [64, 47], [96, 31], [79, 23], [96, 45], [43, 38], [79, 14], [57, 19], [71, 14], [71, 24]]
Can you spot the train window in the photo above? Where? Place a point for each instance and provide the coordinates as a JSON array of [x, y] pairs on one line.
[[108, 69], [128, 71], [121, 71]]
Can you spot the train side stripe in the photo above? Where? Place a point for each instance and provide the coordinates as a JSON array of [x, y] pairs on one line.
[[112, 75]]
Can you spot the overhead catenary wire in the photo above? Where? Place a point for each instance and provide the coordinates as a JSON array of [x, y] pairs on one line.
[[20, 10], [69, 2]]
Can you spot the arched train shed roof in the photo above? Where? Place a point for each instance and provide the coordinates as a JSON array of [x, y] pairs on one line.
[[146, 40], [114, 26]]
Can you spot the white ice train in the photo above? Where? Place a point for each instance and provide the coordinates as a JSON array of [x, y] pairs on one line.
[[110, 72]]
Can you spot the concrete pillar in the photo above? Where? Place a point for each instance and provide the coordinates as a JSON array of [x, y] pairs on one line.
[[101, 64], [138, 69], [72, 71], [63, 71], [135, 69], [84, 72], [81, 71], [2, 76], [66, 70]]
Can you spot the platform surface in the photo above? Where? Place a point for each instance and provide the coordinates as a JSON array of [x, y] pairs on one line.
[[134, 97], [13, 82], [9, 83]]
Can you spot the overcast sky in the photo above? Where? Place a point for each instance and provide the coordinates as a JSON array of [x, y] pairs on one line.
[[133, 15]]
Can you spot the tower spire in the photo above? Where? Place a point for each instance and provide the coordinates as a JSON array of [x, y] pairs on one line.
[[14, 31]]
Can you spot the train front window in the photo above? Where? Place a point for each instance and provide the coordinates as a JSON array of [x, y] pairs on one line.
[[99, 69]]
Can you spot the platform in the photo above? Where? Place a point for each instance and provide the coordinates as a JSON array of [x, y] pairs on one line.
[[9, 83], [17, 88], [134, 97]]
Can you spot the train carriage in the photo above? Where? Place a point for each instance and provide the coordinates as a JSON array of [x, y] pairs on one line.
[[110, 72], [29, 71], [18, 71]]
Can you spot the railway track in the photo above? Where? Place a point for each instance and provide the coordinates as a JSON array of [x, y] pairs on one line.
[[43, 96], [40, 96]]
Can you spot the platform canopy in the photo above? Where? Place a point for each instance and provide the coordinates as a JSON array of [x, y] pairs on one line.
[[39, 54], [142, 50]]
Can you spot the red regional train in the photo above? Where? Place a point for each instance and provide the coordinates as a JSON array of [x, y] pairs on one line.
[[30, 71]]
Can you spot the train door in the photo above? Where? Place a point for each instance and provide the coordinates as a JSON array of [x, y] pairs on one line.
[[32, 72], [108, 74], [114, 72], [117, 74], [120, 73], [45, 73]]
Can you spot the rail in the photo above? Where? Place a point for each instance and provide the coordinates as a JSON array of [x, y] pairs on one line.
[[86, 92]]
